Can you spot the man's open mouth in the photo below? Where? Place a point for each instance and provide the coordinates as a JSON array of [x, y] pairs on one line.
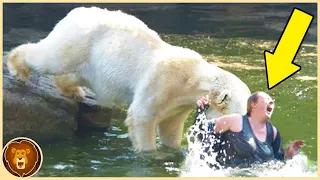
[[269, 109]]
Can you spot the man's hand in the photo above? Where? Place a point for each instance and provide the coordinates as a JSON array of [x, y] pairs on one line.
[[294, 148], [204, 103]]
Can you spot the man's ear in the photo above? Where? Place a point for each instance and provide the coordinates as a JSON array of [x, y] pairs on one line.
[[254, 104]]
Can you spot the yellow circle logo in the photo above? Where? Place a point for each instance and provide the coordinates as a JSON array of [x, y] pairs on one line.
[[22, 157]]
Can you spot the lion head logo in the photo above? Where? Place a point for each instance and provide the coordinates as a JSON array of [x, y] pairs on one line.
[[22, 157]]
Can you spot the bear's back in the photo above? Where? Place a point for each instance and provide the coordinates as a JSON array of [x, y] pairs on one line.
[[85, 24]]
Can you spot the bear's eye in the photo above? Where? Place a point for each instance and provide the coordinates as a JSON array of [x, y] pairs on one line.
[[224, 98]]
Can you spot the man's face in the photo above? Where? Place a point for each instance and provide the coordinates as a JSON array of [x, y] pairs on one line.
[[264, 106]]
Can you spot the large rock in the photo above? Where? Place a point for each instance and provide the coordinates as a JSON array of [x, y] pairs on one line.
[[36, 109]]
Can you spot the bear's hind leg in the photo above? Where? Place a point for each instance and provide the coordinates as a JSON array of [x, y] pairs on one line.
[[37, 57], [17, 65], [170, 129], [69, 86]]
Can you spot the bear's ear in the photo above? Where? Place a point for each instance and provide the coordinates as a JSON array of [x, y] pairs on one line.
[[225, 94], [13, 150], [28, 151]]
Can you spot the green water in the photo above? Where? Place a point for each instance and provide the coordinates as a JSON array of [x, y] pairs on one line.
[[100, 154], [230, 37]]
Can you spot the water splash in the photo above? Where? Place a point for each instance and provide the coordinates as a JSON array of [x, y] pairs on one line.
[[200, 156], [296, 167]]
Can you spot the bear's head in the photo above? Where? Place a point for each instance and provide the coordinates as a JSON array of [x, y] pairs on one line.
[[228, 94]]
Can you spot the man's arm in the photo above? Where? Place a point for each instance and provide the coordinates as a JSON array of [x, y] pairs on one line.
[[221, 124], [292, 150], [228, 122], [279, 153]]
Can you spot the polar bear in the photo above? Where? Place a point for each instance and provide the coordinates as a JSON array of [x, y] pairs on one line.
[[123, 61]]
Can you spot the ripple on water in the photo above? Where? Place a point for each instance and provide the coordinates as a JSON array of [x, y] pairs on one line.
[[123, 136], [110, 134], [94, 167], [104, 148], [95, 162], [114, 128], [62, 166]]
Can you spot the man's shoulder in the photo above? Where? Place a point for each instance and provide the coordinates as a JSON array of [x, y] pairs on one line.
[[275, 131]]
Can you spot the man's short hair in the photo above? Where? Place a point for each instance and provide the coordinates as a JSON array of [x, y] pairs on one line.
[[252, 99]]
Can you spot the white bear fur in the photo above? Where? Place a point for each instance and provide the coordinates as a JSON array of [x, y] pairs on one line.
[[124, 62]]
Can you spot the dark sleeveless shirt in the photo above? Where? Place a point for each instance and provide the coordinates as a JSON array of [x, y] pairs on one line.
[[243, 148]]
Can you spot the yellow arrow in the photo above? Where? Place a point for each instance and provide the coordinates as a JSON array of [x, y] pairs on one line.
[[279, 64]]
